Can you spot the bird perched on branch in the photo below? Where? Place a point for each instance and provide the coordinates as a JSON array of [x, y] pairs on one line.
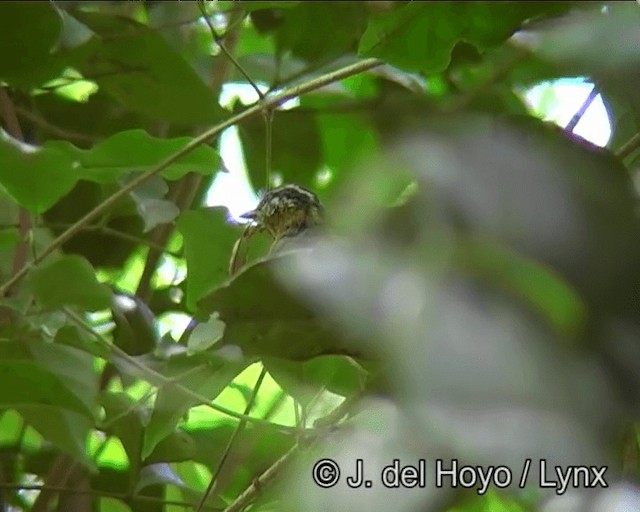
[[287, 212]]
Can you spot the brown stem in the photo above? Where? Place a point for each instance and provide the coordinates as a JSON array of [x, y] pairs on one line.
[[58, 475], [24, 218]]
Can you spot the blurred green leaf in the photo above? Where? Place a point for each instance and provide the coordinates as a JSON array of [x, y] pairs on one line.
[[341, 26], [537, 285], [69, 280], [206, 334], [72, 366], [252, 5], [421, 36], [28, 33], [306, 380], [138, 68], [176, 447], [263, 318]]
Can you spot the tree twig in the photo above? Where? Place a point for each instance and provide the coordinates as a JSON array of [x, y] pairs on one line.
[[264, 479], [219, 40], [593, 94], [271, 101], [239, 427], [629, 147]]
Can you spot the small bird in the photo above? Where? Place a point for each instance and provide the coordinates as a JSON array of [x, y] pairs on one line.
[[288, 213]]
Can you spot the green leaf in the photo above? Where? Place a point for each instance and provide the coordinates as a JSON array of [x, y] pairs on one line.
[[66, 429], [138, 68], [342, 25], [28, 31], [26, 382], [205, 335], [125, 418], [252, 5], [420, 36], [538, 285], [305, 380], [137, 151], [263, 318], [296, 148], [69, 281], [36, 177], [208, 242], [171, 403], [176, 447], [347, 139], [72, 366], [73, 336]]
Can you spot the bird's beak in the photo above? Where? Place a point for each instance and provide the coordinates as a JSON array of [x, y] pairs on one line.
[[249, 215]]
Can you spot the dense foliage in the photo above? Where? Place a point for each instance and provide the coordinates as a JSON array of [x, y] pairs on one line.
[[473, 296]]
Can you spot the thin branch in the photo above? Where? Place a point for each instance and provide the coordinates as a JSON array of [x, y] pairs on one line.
[[629, 147], [593, 94], [268, 126], [239, 427], [274, 470], [219, 41], [153, 376], [57, 476], [269, 102], [264, 479]]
